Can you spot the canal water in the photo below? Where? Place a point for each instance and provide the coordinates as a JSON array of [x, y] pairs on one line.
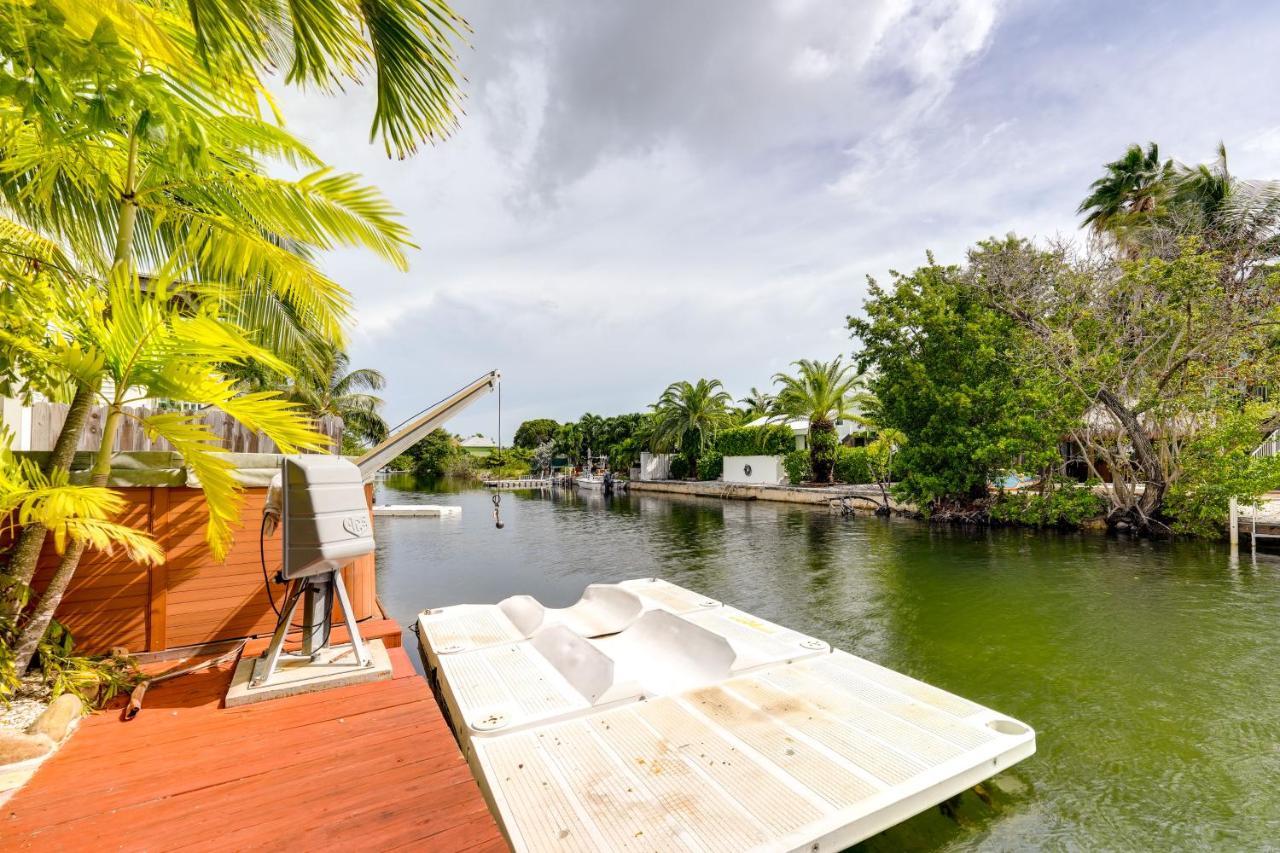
[[1151, 672]]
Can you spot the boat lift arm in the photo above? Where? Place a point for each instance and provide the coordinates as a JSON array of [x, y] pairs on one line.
[[334, 528], [414, 430], [401, 439]]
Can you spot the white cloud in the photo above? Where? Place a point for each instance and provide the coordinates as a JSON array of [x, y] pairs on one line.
[[649, 191]]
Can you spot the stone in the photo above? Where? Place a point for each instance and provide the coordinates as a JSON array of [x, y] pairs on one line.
[[58, 718], [15, 747]]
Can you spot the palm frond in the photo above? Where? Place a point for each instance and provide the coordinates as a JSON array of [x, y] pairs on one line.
[[203, 455], [409, 44]]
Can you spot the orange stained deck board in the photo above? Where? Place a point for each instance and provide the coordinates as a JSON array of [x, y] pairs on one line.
[[371, 766]]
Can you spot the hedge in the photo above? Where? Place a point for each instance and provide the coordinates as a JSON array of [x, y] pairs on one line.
[[853, 466], [710, 465], [796, 464], [770, 440], [679, 467]]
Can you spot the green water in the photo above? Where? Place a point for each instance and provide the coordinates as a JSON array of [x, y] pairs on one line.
[[1151, 672]]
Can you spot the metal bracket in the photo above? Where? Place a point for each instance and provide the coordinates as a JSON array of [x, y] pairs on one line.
[[265, 666]]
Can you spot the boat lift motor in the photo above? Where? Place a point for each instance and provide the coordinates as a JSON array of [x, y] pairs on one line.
[[319, 503]]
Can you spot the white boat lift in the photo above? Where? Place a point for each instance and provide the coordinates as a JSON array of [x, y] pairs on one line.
[[650, 717]]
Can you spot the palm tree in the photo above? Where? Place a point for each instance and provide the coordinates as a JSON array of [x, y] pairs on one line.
[[1203, 189], [822, 392], [688, 415], [1133, 188], [568, 441], [758, 403], [149, 153], [406, 46], [331, 389], [151, 345]]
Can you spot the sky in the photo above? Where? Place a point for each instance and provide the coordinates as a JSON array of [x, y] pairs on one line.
[[643, 191]]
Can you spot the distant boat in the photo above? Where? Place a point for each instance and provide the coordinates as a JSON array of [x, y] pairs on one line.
[[589, 481]]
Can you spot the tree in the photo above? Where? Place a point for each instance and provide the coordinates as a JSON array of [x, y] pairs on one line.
[[109, 160], [543, 455], [121, 147], [758, 403], [432, 455], [822, 392], [1148, 207], [880, 452], [152, 345], [569, 443], [951, 375], [1218, 464], [1160, 348], [531, 434], [688, 416], [1132, 190], [331, 389]]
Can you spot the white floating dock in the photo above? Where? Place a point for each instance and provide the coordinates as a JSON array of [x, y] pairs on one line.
[[649, 717], [435, 510]]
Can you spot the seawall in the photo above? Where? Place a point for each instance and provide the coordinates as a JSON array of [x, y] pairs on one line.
[[864, 498]]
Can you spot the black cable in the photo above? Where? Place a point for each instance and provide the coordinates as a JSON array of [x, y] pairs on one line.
[[262, 555], [266, 578]]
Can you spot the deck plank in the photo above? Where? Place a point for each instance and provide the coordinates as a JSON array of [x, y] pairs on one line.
[[378, 764]]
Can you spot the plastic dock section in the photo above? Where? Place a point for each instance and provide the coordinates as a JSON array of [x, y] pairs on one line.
[[649, 717], [406, 510]]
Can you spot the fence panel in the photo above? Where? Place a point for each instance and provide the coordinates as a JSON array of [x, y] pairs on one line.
[[47, 420]]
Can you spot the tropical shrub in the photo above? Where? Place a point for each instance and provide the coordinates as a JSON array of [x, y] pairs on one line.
[[96, 680], [508, 464], [1061, 503], [853, 465], [679, 466], [532, 433], [460, 465], [796, 464], [432, 454], [1217, 465], [771, 440], [710, 465]]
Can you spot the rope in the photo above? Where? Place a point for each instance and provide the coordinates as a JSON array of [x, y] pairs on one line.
[[497, 496]]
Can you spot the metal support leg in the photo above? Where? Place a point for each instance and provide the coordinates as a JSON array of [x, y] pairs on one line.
[[267, 664], [317, 605], [349, 617]]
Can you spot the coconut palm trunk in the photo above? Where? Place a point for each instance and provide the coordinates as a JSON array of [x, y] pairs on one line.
[[38, 620], [822, 450], [26, 553]]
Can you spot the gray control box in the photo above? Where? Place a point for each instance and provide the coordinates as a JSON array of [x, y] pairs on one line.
[[324, 513]]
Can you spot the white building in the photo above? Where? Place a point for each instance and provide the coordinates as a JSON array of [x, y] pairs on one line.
[[800, 428]]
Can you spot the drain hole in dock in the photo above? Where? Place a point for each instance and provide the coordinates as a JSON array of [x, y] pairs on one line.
[[1007, 727]]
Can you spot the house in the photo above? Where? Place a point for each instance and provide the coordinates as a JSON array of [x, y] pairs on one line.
[[849, 432], [478, 445]]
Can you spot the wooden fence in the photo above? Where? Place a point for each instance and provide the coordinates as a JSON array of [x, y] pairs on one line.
[[190, 598], [47, 420]]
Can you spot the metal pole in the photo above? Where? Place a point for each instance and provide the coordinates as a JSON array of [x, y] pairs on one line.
[[317, 605], [1233, 524]]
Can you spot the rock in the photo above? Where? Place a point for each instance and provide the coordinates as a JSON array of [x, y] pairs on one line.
[[16, 747], [58, 718]]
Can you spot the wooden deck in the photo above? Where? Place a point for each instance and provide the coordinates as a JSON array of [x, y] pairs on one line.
[[368, 766]]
